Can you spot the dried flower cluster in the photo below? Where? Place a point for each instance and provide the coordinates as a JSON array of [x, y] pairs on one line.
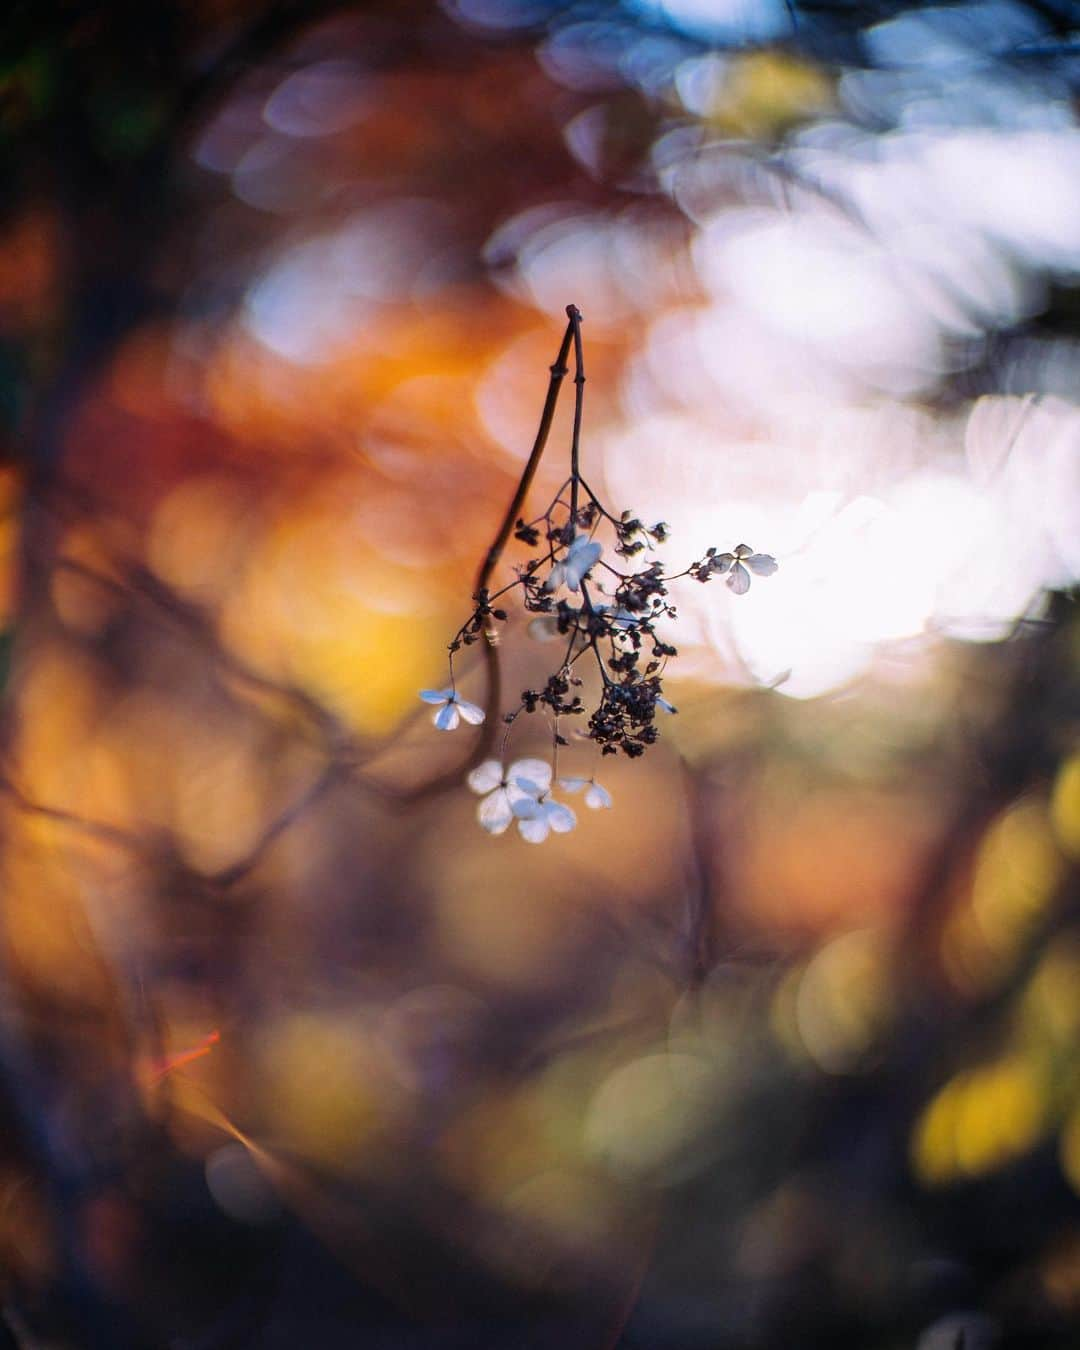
[[603, 611]]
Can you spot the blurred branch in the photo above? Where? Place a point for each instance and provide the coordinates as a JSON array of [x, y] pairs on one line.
[[140, 582], [116, 213], [108, 834], [700, 938], [333, 773]]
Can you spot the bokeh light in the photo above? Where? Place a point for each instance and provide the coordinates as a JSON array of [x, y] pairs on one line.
[[779, 1045]]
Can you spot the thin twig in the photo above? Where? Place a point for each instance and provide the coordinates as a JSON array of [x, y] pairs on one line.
[[547, 415], [484, 742], [97, 829], [574, 315]]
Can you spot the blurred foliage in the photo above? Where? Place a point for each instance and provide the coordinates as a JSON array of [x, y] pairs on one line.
[[783, 1049]]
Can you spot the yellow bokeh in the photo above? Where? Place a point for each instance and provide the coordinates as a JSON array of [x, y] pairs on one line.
[[218, 807], [187, 767], [1065, 806], [329, 1091], [57, 699], [842, 1002], [1050, 1011], [197, 536], [766, 91], [1016, 872], [978, 1122], [971, 963], [313, 610], [47, 935], [651, 1118]]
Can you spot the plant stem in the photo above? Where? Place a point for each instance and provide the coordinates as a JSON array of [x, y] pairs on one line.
[[574, 315], [513, 511], [486, 739]]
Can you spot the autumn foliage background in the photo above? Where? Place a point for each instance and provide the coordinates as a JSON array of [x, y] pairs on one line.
[[780, 1051]]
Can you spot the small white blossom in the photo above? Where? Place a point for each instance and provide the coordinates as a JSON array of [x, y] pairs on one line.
[[525, 779], [735, 564], [520, 793], [453, 708], [538, 816], [596, 796], [574, 566]]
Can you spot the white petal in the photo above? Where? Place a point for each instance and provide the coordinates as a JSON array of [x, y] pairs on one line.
[[556, 577], [516, 793], [526, 808], [559, 817], [472, 712], [572, 784], [584, 551], [764, 564], [446, 719], [575, 562], [723, 562], [578, 563], [533, 831], [485, 776], [597, 797], [739, 580], [743, 550], [536, 771], [436, 695], [494, 812]]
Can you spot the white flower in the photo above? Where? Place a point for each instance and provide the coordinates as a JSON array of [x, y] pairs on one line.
[[762, 564], [574, 566], [538, 816], [453, 708], [525, 779], [596, 797], [522, 793]]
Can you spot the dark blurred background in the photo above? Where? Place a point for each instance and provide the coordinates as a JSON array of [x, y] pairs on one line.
[[781, 1051]]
